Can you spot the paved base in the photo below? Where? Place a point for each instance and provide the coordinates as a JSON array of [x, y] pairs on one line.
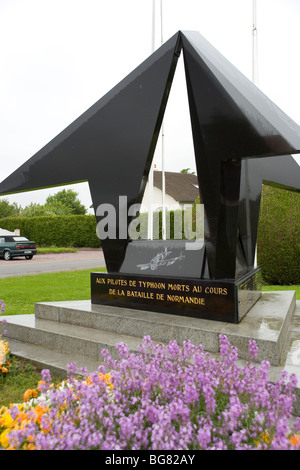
[[77, 331]]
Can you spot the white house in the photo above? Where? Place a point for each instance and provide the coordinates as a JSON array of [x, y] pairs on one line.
[[180, 189]]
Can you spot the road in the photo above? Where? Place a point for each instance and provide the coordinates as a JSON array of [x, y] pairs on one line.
[[52, 262]]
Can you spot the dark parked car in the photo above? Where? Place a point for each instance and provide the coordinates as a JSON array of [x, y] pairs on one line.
[[12, 246]]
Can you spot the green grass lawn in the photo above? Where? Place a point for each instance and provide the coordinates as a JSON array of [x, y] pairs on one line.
[[22, 376], [21, 292], [55, 249], [278, 288]]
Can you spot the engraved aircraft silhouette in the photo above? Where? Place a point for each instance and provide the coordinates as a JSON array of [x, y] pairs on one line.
[[160, 260]]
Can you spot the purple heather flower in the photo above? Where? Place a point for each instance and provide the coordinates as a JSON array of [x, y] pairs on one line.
[[253, 349], [2, 306], [123, 350], [167, 397], [72, 369], [46, 375]]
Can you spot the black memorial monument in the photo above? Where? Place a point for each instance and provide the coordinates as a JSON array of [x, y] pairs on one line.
[[241, 140]]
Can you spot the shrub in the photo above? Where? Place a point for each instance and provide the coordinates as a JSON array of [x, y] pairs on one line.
[[164, 397], [74, 230], [278, 244]]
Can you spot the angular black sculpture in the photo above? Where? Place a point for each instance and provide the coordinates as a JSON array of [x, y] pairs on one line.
[[241, 139]]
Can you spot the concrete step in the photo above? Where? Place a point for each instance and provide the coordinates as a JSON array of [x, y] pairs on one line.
[[66, 338], [57, 362], [267, 323]]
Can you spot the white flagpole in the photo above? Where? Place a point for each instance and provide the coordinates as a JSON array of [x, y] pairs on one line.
[[254, 71], [150, 178], [162, 148], [254, 45], [153, 25]]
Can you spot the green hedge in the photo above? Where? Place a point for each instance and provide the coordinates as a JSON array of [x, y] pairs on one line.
[[72, 230], [278, 243]]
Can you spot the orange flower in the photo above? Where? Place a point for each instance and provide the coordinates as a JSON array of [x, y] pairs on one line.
[[46, 425], [40, 385], [31, 447], [106, 378], [29, 394], [295, 439], [28, 446], [40, 411], [89, 380]]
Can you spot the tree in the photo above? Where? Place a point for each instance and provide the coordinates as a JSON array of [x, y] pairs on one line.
[[8, 210], [187, 170], [33, 210], [64, 202]]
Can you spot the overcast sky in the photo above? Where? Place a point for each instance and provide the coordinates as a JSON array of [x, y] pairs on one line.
[[58, 57]]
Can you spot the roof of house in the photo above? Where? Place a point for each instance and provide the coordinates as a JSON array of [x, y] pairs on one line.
[[4, 232], [181, 186]]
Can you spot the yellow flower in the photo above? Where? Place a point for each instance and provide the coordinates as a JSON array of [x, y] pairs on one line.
[[105, 377], [4, 352], [4, 440], [265, 437], [7, 421]]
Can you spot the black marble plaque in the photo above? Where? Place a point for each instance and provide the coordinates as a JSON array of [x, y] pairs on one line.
[[213, 300]]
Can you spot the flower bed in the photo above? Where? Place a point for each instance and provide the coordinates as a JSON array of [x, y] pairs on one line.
[[163, 397], [4, 347]]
